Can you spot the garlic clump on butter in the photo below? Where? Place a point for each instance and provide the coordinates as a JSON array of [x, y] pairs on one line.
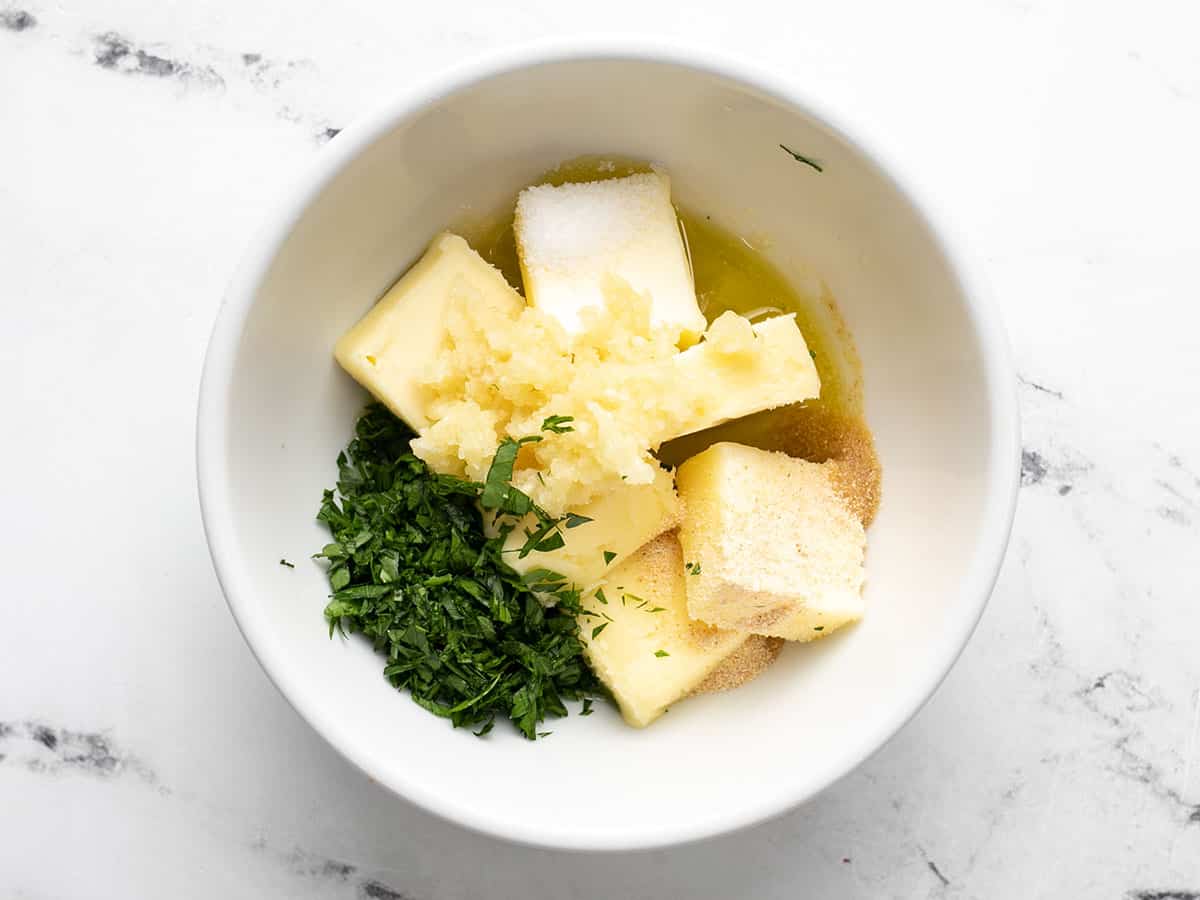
[[620, 378], [502, 374]]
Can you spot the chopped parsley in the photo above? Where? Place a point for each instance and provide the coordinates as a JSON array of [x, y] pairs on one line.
[[412, 570], [802, 159], [497, 492], [558, 424], [543, 539], [661, 653], [818, 628], [609, 556], [284, 562], [692, 568]]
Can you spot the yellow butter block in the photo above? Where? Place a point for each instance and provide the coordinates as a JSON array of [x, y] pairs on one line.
[[639, 640], [621, 521], [742, 368], [575, 239], [778, 549], [391, 347]]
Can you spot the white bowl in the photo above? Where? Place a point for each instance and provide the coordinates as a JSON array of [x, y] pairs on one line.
[[275, 410]]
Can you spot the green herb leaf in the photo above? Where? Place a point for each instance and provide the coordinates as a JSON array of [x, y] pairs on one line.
[[609, 556], [600, 596], [558, 424], [339, 578], [495, 486], [339, 608], [802, 159], [553, 542], [818, 628], [661, 653], [363, 592], [587, 707], [544, 538], [515, 502], [574, 520], [599, 628], [284, 562], [544, 581]]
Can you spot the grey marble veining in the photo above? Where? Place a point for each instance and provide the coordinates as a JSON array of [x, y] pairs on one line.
[[140, 745]]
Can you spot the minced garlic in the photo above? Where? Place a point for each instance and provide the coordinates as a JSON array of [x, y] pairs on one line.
[[504, 376], [620, 379]]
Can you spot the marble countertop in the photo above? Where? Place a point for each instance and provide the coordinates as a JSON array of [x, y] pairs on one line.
[[144, 753]]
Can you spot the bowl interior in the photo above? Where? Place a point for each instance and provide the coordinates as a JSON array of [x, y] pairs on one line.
[[277, 411]]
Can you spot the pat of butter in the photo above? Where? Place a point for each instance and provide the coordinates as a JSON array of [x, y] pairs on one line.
[[740, 369], [641, 642], [391, 347], [574, 238], [780, 552], [621, 521]]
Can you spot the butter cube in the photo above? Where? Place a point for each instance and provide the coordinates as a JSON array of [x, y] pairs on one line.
[[647, 651], [574, 238], [742, 368], [778, 549], [621, 521], [391, 347]]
